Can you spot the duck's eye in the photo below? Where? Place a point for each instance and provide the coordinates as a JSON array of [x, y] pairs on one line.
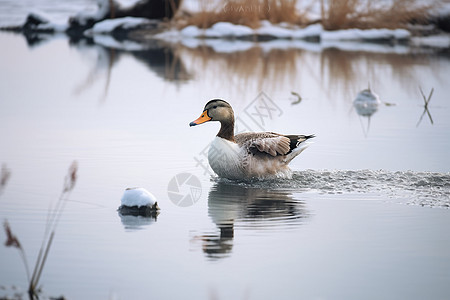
[[215, 106]]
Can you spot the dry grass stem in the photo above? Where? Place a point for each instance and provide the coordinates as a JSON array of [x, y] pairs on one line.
[[5, 174], [52, 222], [13, 241]]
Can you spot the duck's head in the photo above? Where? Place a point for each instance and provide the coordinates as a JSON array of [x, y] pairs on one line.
[[215, 110]]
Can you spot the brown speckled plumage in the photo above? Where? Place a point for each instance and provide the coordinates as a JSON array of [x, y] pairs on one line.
[[248, 154]]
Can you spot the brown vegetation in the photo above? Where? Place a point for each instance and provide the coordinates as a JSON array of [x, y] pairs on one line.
[[246, 12], [335, 14], [343, 14]]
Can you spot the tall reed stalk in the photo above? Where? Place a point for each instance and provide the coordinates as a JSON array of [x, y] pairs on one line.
[[53, 218]]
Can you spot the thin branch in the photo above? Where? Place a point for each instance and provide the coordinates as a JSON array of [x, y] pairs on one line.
[[25, 262], [425, 106], [429, 97]]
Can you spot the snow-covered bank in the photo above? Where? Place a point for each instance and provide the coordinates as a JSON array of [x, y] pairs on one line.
[[40, 21], [110, 16], [231, 46], [283, 31], [435, 41], [226, 37], [109, 25]]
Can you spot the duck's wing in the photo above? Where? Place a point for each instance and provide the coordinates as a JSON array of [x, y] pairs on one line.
[[270, 142]]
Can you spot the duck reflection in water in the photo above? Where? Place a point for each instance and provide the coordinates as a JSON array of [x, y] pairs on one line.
[[366, 104], [241, 206]]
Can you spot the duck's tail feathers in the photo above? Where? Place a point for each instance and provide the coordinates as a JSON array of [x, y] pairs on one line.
[[298, 144], [297, 140]]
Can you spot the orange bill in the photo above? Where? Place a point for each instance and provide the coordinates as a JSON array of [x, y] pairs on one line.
[[202, 119]]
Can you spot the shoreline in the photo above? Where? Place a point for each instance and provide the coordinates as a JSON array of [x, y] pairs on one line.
[[227, 37]]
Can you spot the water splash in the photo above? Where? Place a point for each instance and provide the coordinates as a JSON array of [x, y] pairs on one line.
[[415, 188]]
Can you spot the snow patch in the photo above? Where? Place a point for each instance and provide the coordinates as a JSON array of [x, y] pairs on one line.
[[311, 31], [191, 31], [435, 41], [280, 31], [224, 29], [109, 25], [39, 15], [84, 16], [137, 197], [227, 37], [110, 42], [368, 34], [46, 22], [365, 47], [269, 29], [227, 46]]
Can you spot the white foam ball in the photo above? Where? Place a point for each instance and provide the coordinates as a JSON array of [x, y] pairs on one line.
[[137, 197]]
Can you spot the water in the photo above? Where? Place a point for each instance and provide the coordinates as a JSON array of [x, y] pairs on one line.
[[364, 216]]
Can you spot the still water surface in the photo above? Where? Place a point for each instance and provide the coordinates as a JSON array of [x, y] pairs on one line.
[[364, 217]]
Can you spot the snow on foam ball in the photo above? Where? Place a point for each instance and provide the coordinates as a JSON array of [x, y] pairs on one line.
[[137, 197], [138, 202]]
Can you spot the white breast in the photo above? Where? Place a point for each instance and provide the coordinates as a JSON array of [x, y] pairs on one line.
[[225, 158]]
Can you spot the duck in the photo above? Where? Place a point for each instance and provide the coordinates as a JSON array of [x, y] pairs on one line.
[[248, 155]]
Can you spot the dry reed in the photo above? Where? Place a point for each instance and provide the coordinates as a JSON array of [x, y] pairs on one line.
[[5, 174], [335, 14], [13, 241], [53, 218], [344, 14], [246, 12]]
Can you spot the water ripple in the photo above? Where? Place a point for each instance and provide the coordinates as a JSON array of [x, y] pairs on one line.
[[417, 188]]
